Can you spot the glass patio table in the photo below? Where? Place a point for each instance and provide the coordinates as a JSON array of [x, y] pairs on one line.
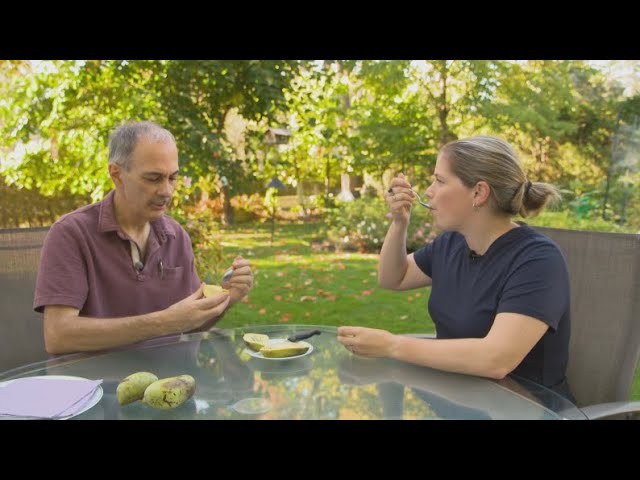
[[328, 382]]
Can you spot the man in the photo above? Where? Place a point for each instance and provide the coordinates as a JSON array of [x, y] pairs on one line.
[[120, 271]]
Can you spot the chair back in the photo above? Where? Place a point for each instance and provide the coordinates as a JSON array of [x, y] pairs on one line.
[[21, 333], [604, 270]]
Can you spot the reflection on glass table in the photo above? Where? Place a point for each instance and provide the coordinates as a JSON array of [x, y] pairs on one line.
[[329, 383]]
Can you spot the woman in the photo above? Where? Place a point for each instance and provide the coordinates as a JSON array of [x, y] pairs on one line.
[[500, 290]]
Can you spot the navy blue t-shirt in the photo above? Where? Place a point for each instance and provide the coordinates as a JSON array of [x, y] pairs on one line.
[[522, 272]]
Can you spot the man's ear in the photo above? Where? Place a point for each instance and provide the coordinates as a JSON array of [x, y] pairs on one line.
[[115, 172], [482, 193]]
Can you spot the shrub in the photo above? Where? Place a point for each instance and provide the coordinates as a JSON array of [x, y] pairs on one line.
[[569, 220], [363, 223], [200, 218]]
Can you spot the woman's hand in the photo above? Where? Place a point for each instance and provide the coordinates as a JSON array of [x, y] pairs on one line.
[[368, 342], [400, 197]]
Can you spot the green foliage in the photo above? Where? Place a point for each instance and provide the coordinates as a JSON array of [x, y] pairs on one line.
[[360, 225], [295, 283], [271, 200], [568, 220], [370, 119], [202, 223], [29, 208], [55, 128], [248, 208], [197, 96], [363, 223], [585, 205]]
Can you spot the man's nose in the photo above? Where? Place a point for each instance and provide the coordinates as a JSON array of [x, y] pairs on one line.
[[166, 188]]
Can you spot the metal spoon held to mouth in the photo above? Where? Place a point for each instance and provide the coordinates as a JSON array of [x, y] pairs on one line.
[[424, 204]]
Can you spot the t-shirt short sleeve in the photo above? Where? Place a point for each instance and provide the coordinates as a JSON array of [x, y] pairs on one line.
[[62, 273], [424, 258], [538, 287]]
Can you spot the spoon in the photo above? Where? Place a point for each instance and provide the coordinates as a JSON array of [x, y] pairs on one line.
[[226, 276], [424, 204]]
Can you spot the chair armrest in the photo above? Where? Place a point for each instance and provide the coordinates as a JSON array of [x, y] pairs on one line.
[[604, 410]]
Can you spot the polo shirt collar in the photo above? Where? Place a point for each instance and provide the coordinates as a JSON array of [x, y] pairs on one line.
[[107, 220]]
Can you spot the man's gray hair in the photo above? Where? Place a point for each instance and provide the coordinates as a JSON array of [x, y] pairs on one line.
[[124, 139]]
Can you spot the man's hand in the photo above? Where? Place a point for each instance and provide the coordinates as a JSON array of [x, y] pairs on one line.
[[368, 342], [241, 280], [196, 309]]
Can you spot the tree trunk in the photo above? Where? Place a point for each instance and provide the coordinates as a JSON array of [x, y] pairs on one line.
[[446, 135], [299, 187], [345, 188], [227, 209], [327, 178]]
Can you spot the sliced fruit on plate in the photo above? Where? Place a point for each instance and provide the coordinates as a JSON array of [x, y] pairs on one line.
[[284, 349], [255, 341]]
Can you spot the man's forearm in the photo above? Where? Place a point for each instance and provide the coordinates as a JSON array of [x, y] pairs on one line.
[[208, 324], [84, 334]]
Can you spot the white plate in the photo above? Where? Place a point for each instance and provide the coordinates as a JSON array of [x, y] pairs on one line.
[[274, 341], [97, 395]]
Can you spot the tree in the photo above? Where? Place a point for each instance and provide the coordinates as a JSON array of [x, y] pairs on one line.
[[54, 130], [56, 125]]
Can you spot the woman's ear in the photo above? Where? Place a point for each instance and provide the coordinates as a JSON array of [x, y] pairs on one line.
[[482, 193]]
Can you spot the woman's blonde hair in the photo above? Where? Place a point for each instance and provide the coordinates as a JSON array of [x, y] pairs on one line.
[[494, 161]]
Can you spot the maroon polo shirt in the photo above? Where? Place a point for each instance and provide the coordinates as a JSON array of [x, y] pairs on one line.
[[86, 263]]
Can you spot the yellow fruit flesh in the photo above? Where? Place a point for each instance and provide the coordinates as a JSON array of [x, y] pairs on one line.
[[255, 341], [211, 290], [283, 350]]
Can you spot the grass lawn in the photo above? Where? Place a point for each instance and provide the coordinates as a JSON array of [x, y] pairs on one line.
[[297, 285]]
